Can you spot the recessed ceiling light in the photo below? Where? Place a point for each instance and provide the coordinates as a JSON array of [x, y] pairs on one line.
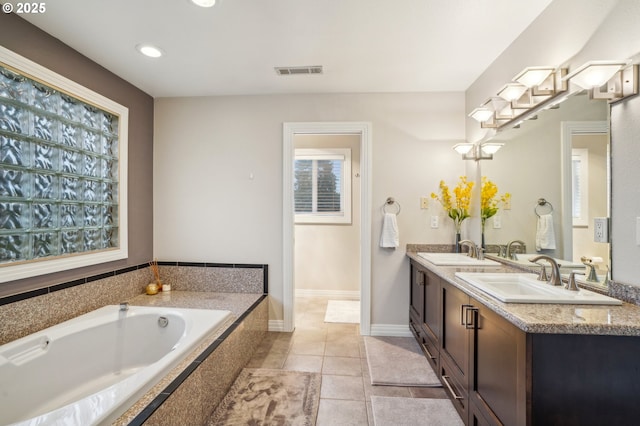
[[149, 50], [204, 3]]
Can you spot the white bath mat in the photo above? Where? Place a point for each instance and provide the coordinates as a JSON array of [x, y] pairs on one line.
[[414, 412], [398, 361], [347, 311]]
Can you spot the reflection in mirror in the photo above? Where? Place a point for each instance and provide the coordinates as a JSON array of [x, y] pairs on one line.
[[534, 164]]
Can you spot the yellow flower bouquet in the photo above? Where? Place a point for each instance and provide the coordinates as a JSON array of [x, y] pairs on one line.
[[489, 200], [456, 205]]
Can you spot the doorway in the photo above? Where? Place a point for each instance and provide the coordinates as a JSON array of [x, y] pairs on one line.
[[362, 206]]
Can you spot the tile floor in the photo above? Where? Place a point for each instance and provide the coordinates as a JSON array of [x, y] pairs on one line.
[[337, 351]]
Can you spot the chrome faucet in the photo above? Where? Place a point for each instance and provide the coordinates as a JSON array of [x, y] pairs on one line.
[[512, 255], [471, 245], [571, 284], [124, 306], [555, 268], [591, 276]]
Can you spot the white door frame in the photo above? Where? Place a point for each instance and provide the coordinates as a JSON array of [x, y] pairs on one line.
[[288, 154], [568, 130]]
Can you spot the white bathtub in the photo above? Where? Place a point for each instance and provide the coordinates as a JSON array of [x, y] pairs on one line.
[[91, 369]]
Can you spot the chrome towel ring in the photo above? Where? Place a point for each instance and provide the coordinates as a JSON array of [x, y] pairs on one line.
[[542, 203], [391, 202]]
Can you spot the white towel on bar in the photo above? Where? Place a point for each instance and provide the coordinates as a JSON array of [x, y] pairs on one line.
[[545, 235], [389, 237]]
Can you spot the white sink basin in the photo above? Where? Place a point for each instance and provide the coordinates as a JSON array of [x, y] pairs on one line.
[[455, 259], [525, 288]]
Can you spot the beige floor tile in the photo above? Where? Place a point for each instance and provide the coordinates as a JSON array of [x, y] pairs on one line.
[[342, 366], [311, 363], [342, 387], [334, 412], [343, 347], [307, 347], [269, 361]]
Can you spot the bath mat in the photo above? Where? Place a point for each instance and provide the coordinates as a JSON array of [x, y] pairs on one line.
[[394, 411], [263, 397], [347, 311], [398, 361]]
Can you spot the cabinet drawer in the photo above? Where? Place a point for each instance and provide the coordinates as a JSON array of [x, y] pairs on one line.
[[430, 350], [454, 388]]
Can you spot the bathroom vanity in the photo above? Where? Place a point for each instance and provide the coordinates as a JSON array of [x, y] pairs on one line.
[[525, 363]]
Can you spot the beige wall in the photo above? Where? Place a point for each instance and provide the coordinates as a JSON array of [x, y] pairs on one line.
[[207, 208], [327, 256], [23, 38]]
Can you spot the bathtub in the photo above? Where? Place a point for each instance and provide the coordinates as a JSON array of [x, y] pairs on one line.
[[91, 369]]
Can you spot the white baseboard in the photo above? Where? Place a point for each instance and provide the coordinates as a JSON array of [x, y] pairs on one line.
[[376, 329], [276, 325], [338, 294], [391, 330]]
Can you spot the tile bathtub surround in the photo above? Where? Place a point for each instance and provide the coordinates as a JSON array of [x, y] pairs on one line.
[[60, 302], [22, 316], [224, 278], [193, 398]]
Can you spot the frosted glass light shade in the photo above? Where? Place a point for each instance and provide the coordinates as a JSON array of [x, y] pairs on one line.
[[595, 73], [491, 147], [463, 148], [512, 91], [533, 76], [481, 114]]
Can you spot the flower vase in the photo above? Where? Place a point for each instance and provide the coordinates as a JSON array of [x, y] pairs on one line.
[[482, 242], [457, 242]]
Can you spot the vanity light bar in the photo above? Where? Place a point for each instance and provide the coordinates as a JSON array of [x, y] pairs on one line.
[[530, 89]]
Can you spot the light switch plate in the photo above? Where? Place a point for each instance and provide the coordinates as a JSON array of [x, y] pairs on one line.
[[497, 222], [601, 229]]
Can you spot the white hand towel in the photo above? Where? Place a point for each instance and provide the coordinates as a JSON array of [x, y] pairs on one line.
[[389, 237], [545, 235]]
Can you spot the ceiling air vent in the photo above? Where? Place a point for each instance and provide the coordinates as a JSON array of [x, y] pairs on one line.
[[315, 69]]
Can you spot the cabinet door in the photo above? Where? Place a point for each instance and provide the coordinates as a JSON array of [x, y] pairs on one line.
[[455, 335], [418, 278], [497, 367], [432, 303]]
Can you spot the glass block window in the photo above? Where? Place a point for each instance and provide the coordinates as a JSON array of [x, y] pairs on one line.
[[60, 170], [322, 185]]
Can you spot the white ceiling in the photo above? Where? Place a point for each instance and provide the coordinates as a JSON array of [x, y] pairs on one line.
[[233, 47]]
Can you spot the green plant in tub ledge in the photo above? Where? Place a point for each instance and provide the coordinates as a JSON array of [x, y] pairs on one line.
[[490, 201], [456, 205]]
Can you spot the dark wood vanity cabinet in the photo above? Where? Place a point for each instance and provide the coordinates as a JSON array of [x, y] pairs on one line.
[[497, 374], [482, 361], [424, 311]]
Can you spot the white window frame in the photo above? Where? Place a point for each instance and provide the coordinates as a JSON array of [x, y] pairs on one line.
[[582, 155], [344, 216], [10, 272]]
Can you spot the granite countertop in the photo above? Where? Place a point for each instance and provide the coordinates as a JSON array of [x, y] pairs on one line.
[[236, 303], [621, 320]]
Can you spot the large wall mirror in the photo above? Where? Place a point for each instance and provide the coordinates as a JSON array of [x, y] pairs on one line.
[[562, 157]]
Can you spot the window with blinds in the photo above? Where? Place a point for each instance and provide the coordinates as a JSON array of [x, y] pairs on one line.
[[322, 185]]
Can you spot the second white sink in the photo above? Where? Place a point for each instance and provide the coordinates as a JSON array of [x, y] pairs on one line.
[[525, 288]]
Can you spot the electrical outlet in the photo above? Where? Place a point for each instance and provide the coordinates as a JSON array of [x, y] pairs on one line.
[[424, 203], [601, 229], [435, 221], [497, 222]]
